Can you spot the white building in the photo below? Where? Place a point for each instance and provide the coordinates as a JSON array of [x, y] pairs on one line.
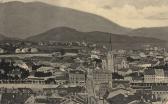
[[2, 51], [33, 50], [155, 76]]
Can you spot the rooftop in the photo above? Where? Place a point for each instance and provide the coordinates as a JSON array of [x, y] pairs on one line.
[[160, 88]]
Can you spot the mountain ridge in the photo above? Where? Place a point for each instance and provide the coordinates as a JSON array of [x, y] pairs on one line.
[[154, 32], [69, 34], [25, 19]]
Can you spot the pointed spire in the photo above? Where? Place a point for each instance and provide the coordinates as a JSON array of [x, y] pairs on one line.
[[110, 43], [110, 61]]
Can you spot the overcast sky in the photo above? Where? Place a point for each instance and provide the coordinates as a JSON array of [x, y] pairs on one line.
[[128, 13]]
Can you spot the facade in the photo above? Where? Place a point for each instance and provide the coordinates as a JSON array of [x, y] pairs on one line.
[[45, 69], [77, 77], [92, 100], [155, 76], [102, 76], [2, 51], [120, 63], [160, 92], [33, 50], [124, 72], [110, 61]]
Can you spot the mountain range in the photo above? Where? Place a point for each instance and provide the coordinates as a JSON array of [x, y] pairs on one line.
[[22, 20], [119, 41], [155, 32], [40, 21]]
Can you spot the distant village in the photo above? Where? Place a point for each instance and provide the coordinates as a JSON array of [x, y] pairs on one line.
[[82, 73]]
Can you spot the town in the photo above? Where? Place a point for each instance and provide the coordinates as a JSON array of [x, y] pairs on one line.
[[82, 73]]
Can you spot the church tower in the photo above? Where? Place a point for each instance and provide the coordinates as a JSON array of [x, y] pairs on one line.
[[110, 57]]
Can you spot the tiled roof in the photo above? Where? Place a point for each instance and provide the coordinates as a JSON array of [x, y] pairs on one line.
[[160, 88], [149, 72], [77, 72], [14, 98]]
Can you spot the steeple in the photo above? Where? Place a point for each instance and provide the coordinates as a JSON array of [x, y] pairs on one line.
[[110, 57], [110, 43]]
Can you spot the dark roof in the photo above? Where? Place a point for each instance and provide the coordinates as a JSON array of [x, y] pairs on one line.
[[149, 72], [48, 100], [102, 71], [160, 88], [77, 72], [121, 99], [14, 98]]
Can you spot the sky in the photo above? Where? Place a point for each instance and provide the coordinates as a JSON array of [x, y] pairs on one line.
[[127, 13]]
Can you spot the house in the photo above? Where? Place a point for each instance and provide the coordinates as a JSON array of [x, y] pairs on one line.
[[152, 75], [142, 55], [77, 77], [120, 63], [2, 51], [128, 78], [2, 71], [14, 98], [92, 100], [124, 72], [102, 76], [21, 64], [25, 50], [149, 76], [18, 50], [121, 51], [160, 92], [135, 57], [122, 96], [144, 65], [101, 90], [77, 99], [33, 50], [61, 77], [45, 69], [16, 73], [47, 100], [121, 84]]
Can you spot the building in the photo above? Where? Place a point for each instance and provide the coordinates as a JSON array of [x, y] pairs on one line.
[[33, 50], [155, 76], [124, 72], [18, 50], [110, 61], [92, 100], [45, 69], [103, 90], [77, 77], [160, 92], [2, 51], [102, 76], [120, 63]]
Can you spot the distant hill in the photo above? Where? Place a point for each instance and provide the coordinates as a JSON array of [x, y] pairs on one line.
[[21, 20], [2, 37], [155, 32], [118, 41]]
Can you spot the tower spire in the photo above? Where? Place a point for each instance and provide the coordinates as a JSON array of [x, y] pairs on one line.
[[110, 43], [110, 61]]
